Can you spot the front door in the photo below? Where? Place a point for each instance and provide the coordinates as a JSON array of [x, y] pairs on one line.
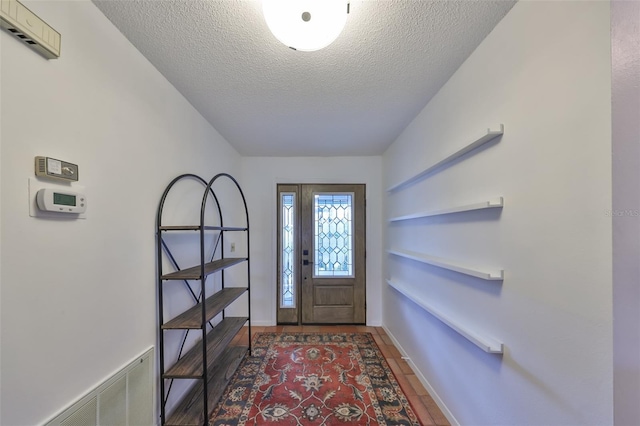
[[321, 254]]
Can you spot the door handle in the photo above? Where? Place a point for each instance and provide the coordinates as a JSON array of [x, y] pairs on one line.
[[305, 258]]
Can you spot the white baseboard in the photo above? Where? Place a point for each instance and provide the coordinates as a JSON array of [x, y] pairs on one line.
[[447, 413], [263, 323]]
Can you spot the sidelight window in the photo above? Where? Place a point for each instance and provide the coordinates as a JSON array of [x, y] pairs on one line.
[[287, 243]]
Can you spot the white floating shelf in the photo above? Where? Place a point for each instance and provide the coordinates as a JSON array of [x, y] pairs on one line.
[[489, 275], [491, 204], [487, 344], [490, 135]]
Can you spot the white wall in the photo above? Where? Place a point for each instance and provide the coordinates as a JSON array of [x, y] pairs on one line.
[[625, 42], [545, 73], [79, 297], [261, 175]]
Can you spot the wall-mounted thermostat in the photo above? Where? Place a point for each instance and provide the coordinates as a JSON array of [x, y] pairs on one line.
[[56, 169], [61, 201]]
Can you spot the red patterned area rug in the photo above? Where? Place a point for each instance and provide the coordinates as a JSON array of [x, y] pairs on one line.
[[314, 379]]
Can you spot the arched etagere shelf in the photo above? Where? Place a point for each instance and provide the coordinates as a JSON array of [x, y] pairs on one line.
[[213, 359]]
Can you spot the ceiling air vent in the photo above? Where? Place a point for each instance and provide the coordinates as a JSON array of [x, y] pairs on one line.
[[28, 27]]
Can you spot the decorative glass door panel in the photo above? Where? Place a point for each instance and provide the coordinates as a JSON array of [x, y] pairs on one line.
[[333, 235], [288, 267], [288, 295]]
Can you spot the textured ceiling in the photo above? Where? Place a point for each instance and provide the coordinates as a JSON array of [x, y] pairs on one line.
[[351, 98]]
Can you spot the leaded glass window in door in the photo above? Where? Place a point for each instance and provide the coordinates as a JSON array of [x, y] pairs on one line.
[[287, 243], [333, 235]]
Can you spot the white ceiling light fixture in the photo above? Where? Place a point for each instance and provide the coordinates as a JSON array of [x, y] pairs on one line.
[[306, 25]]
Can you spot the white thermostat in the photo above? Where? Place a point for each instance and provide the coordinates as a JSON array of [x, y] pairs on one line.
[[61, 201]]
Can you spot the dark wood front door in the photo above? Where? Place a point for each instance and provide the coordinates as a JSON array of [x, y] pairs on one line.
[[321, 254]]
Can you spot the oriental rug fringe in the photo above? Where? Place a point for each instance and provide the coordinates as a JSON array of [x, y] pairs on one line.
[[313, 379]]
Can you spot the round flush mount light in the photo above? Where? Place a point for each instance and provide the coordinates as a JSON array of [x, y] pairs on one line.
[[305, 24]]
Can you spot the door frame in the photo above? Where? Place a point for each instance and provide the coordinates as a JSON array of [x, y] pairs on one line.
[[295, 318]]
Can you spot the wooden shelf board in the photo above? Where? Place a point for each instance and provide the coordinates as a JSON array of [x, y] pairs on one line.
[[490, 204], [489, 136], [192, 318], [190, 365], [197, 228], [495, 275], [190, 410], [485, 343], [193, 273]]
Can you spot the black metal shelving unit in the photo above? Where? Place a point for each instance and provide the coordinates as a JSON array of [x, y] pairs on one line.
[[212, 360]]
